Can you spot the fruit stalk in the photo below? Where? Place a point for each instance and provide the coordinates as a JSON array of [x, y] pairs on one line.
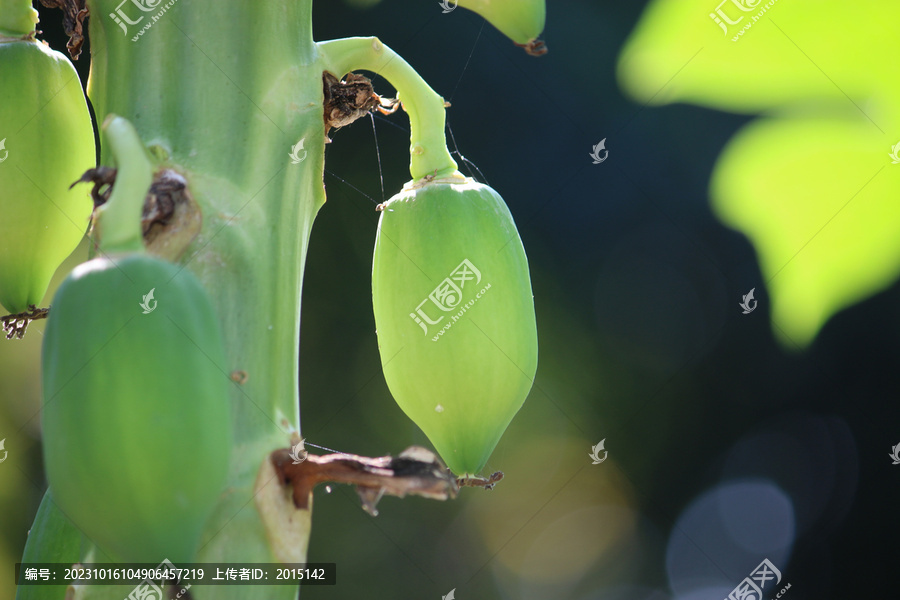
[[17, 18], [120, 217], [428, 144]]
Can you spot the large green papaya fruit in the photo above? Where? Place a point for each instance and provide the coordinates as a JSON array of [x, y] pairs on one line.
[[136, 419], [454, 315], [46, 143]]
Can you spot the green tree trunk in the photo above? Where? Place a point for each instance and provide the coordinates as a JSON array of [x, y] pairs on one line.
[[220, 92]]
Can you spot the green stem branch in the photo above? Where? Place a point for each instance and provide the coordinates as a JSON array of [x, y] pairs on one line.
[[220, 92], [17, 18], [120, 218], [428, 144]]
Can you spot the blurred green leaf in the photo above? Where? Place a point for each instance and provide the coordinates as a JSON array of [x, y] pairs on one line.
[[818, 199], [797, 51], [813, 187]]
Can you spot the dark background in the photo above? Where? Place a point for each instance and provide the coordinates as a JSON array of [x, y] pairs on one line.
[[724, 447]]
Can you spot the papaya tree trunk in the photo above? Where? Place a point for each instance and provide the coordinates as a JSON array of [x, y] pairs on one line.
[[220, 92]]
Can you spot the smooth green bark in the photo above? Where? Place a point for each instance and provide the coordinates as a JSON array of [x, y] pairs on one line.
[[220, 92]]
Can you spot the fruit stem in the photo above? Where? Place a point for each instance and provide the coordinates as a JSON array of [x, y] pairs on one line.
[[120, 218], [17, 18], [428, 144]]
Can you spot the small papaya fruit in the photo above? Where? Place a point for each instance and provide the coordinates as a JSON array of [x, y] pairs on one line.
[[522, 21], [454, 315], [47, 143], [136, 420]]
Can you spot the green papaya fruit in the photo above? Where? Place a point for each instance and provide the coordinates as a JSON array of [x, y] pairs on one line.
[[522, 21], [136, 419], [454, 314], [46, 143]]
